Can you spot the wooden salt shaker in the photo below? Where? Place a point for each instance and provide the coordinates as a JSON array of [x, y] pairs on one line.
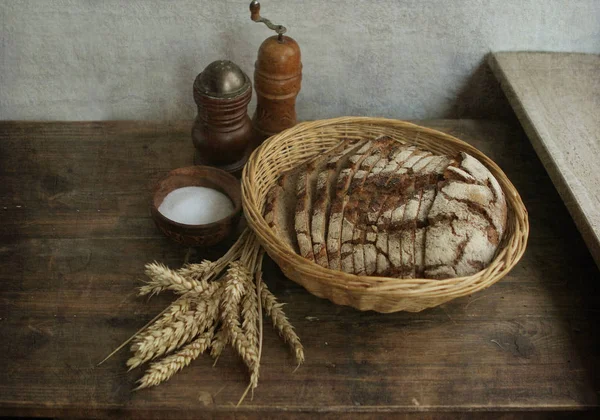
[[222, 131], [277, 79]]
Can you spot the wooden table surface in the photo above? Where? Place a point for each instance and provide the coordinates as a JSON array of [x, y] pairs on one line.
[[76, 234], [557, 99]]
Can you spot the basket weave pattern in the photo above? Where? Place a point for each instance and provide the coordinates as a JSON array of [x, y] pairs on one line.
[[291, 147]]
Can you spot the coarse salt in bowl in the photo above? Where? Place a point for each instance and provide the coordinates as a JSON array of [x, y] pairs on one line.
[[197, 205]]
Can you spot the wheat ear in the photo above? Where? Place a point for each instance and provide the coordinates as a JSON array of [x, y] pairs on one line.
[[250, 326], [163, 278], [165, 368], [177, 327], [156, 342], [181, 305], [257, 267], [250, 315], [131, 338], [206, 314], [236, 280], [281, 323], [219, 342], [200, 271], [166, 317]]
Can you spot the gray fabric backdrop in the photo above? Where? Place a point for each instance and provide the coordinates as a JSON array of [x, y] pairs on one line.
[[101, 59]]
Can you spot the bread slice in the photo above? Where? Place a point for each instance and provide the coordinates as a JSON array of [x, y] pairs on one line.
[[428, 172], [325, 188], [396, 254], [398, 159], [301, 219], [359, 189], [427, 198], [339, 201], [305, 196], [398, 187], [365, 236], [281, 204], [406, 269], [381, 241], [389, 180], [402, 225]]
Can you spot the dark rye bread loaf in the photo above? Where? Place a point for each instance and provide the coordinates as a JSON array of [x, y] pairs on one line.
[[383, 208]]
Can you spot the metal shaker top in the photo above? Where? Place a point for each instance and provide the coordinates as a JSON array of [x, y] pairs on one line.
[[222, 79]]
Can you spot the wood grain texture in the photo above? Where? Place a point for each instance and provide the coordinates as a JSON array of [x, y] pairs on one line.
[[557, 99], [76, 232]]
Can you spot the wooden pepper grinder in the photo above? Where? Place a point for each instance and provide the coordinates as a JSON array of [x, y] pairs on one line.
[[277, 79], [222, 131]]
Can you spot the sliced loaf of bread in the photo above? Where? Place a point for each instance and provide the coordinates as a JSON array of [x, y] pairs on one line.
[[380, 207]]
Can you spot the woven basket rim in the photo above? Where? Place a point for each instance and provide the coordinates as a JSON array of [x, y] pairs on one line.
[[505, 259]]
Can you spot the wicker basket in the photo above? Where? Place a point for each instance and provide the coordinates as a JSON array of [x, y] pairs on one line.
[[383, 294]]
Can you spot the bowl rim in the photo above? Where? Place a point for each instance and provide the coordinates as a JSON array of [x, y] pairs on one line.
[[237, 206]]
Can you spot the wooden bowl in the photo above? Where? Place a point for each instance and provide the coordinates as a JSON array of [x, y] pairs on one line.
[[197, 176]]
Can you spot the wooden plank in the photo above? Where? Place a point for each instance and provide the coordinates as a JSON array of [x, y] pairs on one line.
[[86, 179], [557, 99], [68, 298]]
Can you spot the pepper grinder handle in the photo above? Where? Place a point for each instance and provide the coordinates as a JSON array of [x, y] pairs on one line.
[[256, 17]]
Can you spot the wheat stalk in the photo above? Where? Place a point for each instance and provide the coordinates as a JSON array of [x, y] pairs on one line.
[[165, 368], [208, 270], [281, 323], [183, 305]]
